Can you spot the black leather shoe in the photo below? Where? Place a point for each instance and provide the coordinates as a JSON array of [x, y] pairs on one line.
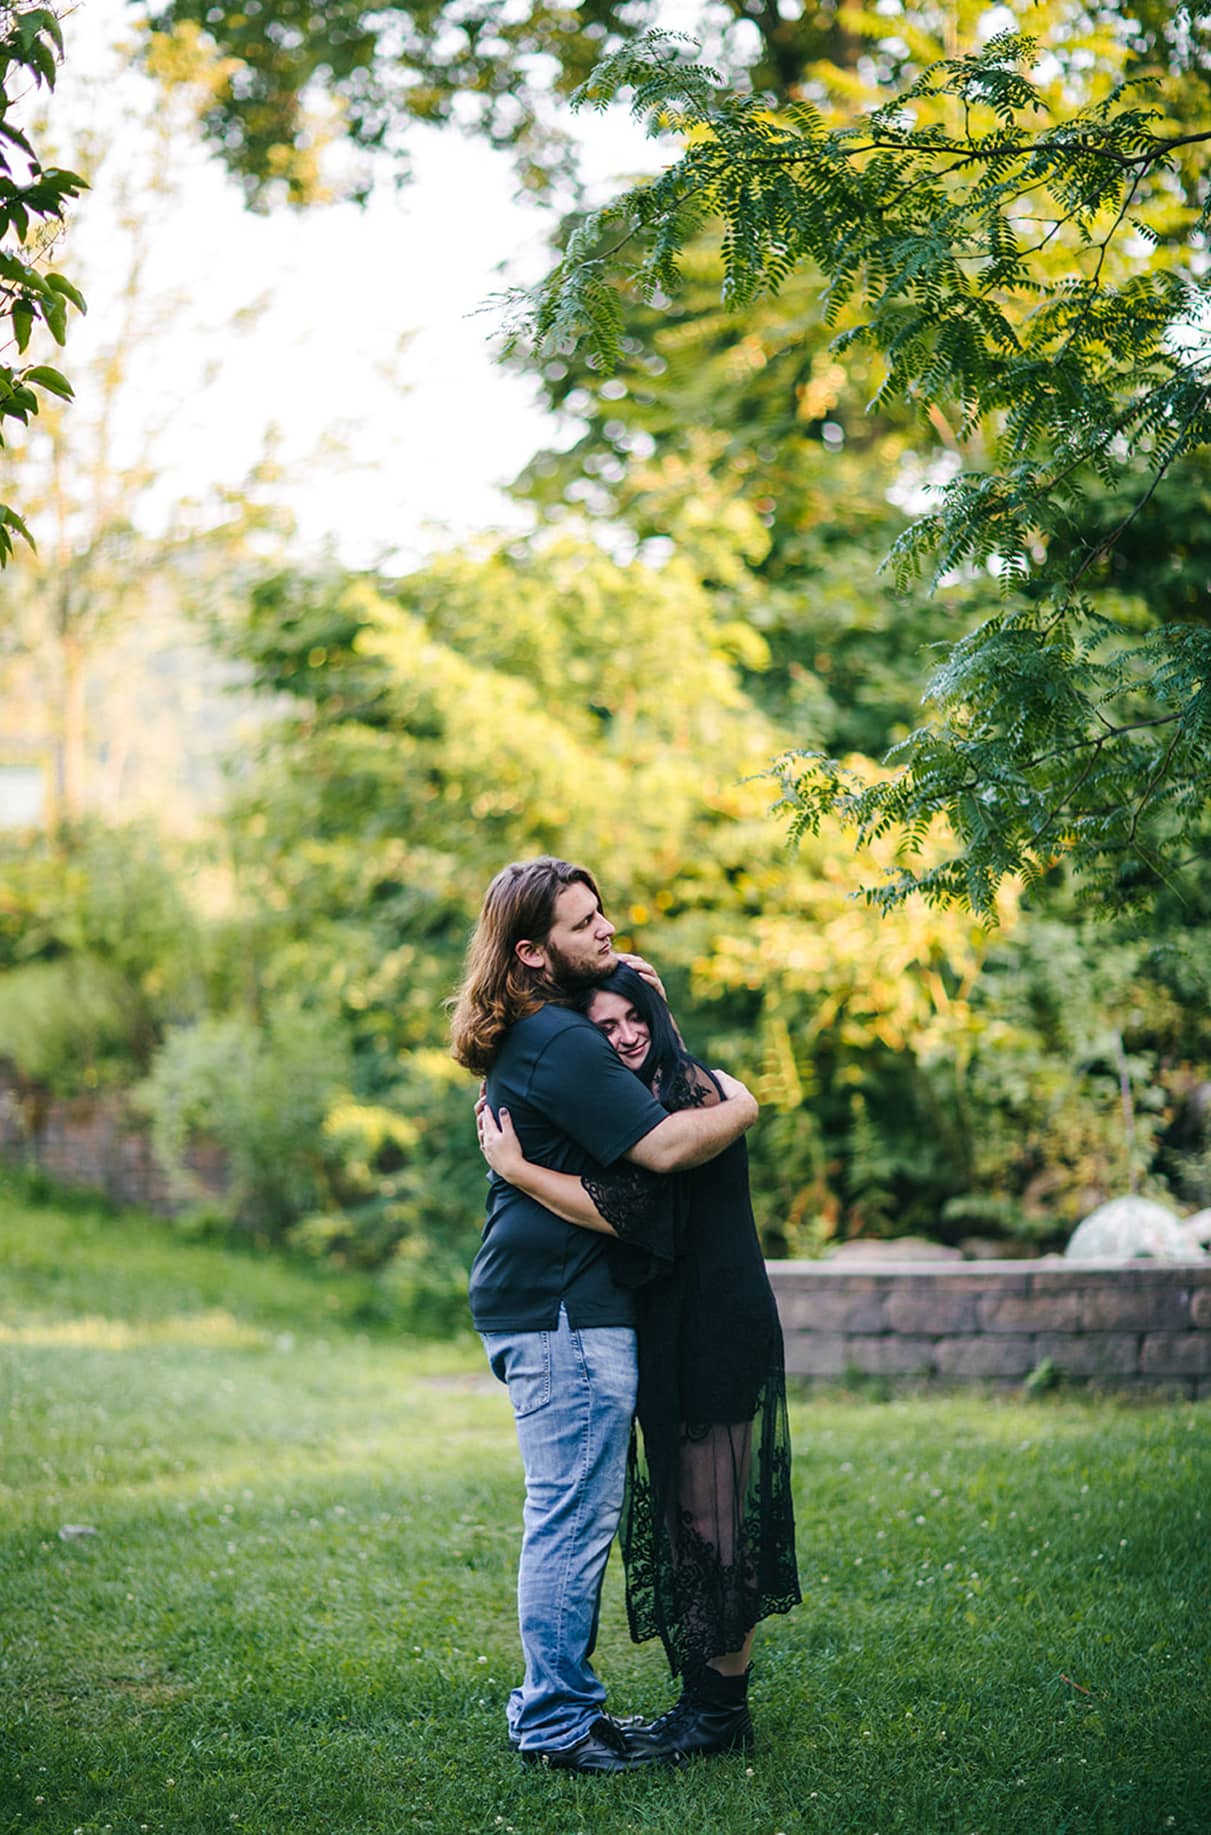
[[624, 1723], [695, 1728], [605, 1747]]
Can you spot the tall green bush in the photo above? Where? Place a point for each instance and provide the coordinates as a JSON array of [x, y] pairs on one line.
[[71, 1024], [259, 1092], [101, 947]]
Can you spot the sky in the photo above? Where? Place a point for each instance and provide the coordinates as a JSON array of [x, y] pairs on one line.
[[371, 355]]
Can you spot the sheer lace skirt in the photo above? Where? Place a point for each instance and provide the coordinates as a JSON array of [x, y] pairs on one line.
[[708, 1531], [708, 1528]]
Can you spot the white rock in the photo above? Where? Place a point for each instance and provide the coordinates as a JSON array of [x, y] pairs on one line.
[[1197, 1229], [1126, 1228]]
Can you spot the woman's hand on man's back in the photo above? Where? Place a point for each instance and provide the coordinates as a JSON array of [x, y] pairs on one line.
[[498, 1140], [644, 970], [735, 1091]]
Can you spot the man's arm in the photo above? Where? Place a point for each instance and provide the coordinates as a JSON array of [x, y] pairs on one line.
[[691, 1137]]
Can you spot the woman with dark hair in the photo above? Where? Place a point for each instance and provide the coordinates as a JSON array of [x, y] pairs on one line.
[[707, 1529]]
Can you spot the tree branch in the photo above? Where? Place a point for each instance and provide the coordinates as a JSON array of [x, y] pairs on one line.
[[1104, 547], [1153, 781], [910, 143]]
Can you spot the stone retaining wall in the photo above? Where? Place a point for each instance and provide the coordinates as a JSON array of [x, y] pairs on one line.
[[1144, 1325], [1147, 1325]]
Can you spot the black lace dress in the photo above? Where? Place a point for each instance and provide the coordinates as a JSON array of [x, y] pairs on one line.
[[708, 1530]]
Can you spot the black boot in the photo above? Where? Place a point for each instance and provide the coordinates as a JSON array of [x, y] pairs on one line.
[[712, 1716]]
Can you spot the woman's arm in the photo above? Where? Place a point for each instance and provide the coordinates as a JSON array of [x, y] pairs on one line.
[[561, 1192]]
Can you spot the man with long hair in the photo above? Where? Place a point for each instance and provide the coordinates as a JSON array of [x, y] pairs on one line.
[[557, 1327]]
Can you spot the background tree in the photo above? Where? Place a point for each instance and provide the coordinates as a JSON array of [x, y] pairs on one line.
[[101, 665], [987, 238], [290, 78], [735, 437], [698, 595], [33, 206], [871, 151], [524, 698]]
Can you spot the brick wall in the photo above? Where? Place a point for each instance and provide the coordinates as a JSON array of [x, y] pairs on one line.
[[1144, 1325], [96, 1143]]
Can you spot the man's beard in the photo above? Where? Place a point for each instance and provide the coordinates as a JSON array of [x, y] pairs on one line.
[[570, 977]]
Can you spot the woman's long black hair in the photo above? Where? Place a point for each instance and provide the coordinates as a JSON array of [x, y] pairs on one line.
[[668, 1070]]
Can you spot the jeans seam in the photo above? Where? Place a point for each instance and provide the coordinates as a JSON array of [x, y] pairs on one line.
[[582, 1487]]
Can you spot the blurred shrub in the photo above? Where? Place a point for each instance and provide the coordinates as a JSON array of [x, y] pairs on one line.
[[71, 1024], [406, 1185], [261, 1094], [394, 1187], [118, 893], [100, 948]]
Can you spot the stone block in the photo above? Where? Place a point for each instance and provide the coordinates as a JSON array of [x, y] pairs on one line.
[[1109, 1354], [1003, 1278], [985, 1356], [1141, 1272], [889, 1355], [1059, 1276], [1176, 1354], [1032, 1312], [1136, 1307], [1200, 1308], [937, 1312], [809, 1309], [962, 1277], [1164, 1274], [795, 1276], [815, 1354]]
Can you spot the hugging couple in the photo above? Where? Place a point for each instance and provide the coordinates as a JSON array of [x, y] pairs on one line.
[[621, 1295]]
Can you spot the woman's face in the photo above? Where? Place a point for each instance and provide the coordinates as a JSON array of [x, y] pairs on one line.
[[630, 1035]]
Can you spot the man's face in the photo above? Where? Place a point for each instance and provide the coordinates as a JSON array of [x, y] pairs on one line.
[[577, 951]]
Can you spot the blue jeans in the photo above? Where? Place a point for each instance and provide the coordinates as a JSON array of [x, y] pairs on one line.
[[573, 1395]]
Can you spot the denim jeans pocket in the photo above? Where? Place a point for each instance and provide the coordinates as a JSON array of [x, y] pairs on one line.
[[522, 1361]]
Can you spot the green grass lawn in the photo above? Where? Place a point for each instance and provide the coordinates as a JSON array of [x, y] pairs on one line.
[[296, 1611]]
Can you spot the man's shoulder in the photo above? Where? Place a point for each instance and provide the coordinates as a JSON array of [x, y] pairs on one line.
[[529, 1037], [551, 1018]]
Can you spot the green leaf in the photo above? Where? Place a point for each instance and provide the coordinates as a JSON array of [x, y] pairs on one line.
[[23, 323], [17, 138], [52, 379], [20, 273], [42, 60], [58, 284], [10, 519]]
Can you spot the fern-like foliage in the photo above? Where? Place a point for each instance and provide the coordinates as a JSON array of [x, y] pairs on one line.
[[1006, 264]]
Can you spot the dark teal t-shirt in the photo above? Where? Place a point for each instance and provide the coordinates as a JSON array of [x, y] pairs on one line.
[[577, 1108]]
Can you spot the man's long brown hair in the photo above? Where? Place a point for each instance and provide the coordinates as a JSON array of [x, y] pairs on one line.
[[498, 988]]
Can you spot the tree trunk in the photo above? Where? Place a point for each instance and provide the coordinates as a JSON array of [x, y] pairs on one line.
[[71, 735]]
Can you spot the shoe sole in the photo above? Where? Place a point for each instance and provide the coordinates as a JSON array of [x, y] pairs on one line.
[[628, 1722], [549, 1761]]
